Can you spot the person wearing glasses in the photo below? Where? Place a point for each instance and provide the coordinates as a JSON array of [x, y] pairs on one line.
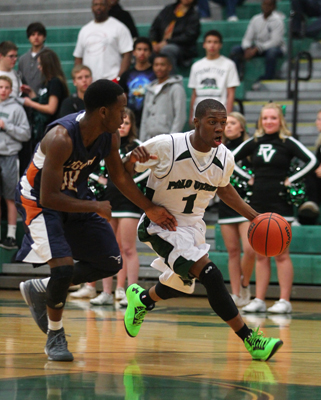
[[8, 59]]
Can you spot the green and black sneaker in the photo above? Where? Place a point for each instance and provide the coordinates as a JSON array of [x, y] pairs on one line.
[[136, 310], [262, 348]]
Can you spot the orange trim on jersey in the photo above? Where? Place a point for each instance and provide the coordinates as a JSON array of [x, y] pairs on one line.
[[31, 173], [32, 210]]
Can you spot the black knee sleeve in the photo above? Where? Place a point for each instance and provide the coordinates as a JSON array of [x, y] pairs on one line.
[[58, 285], [92, 272], [166, 292], [218, 296]]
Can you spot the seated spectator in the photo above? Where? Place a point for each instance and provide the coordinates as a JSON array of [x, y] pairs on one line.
[[105, 44], [165, 101], [263, 38], [8, 59], [123, 16], [214, 76], [28, 66], [14, 129], [46, 104], [81, 77], [135, 80], [204, 9], [309, 8], [175, 31]]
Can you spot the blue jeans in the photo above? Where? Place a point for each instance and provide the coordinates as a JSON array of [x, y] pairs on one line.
[[271, 55], [204, 9]]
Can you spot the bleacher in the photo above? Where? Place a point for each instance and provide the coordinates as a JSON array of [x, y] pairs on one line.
[[305, 248]]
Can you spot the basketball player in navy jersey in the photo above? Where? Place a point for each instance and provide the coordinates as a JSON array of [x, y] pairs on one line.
[[62, 221], [189, 169]]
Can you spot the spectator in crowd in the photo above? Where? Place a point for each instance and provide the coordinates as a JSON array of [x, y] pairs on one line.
[[263, 38], [204, 9], [234, 226], [14, 129], [28, 66], [272, 149], [116, 11], [105, 44], [135, 80], [82, 78], [214, 76], [309, 8], [165, 101], [46, 104], [175, 31], [8, 59]]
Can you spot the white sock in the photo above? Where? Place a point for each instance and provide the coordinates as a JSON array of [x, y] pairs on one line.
[[12, 231], [54, 325]]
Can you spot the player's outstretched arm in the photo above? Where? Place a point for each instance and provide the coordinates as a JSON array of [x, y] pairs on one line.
[[230, 196]]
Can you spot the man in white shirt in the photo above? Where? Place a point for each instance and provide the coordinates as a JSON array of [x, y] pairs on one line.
[[105, 44], [214, 76], [263, 38]]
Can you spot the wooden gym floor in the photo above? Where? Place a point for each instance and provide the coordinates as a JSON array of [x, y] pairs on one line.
[[183, 351]]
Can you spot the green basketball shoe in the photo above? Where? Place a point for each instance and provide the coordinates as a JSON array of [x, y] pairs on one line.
[[136, 310], [261, 348]]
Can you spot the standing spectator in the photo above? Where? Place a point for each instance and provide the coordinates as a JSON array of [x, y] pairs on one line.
[[263, 38], [14, 129], [310, 8], [135, 80], [165, 101], [204, 10], [234, 226], [123, 16], [214, 76], [105, 44], [8, 59], [175, 31], [28, 66], [54, 90], [82, 78], [272, 149]]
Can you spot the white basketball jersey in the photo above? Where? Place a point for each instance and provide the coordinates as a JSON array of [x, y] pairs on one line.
[[186, 185]]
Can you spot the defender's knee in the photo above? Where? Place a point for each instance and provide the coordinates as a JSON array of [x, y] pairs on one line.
[[57, 289]]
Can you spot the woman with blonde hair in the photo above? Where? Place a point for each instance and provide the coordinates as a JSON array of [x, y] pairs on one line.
[[272, 150], [234, 226]]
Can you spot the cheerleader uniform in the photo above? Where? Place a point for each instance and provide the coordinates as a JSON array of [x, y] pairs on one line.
[[271, 160]]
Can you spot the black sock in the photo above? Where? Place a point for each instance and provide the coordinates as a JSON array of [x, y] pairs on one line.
[[146, 299], [244, 332]]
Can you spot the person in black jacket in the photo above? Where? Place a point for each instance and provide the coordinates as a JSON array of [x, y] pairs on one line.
[[123, 16], [175, 30]]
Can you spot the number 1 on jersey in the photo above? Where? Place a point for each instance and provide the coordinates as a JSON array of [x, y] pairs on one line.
[[189, 204]]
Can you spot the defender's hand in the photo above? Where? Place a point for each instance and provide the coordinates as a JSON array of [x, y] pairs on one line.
[[104, 209], [162, 217]]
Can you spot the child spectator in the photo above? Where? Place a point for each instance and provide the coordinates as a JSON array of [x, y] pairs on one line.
[[8, 59], [82, 78], [14, 129]]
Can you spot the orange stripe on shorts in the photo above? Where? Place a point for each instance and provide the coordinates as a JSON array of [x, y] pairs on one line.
[[32, 210]]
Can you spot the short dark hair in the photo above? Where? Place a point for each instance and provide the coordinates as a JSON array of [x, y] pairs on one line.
[[36, 27], [7, 46], [101, 93], [143, 39], [213, 32], [162, 55], [208, 104]]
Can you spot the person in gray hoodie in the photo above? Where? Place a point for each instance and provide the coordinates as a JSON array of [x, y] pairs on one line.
[[14, 129], [165, 102]]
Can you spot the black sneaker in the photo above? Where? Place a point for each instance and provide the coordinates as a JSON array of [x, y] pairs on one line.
[[34, 294], [9, 243], [56, 346]]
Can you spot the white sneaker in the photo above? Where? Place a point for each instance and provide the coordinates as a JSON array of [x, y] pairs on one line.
[[237, 300], [123, 302], [281, 307], [256, 305], [245, 295], [84, 292], [104, 299], [120, 293]]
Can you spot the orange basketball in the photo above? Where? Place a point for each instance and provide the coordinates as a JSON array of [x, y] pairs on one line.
[[269, 234]]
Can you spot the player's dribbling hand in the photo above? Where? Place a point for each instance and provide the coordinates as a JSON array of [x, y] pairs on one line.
[[141, 154], [104, 209], [162, 217]]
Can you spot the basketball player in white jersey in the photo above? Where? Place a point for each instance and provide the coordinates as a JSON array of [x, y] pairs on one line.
[[190, 168]]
